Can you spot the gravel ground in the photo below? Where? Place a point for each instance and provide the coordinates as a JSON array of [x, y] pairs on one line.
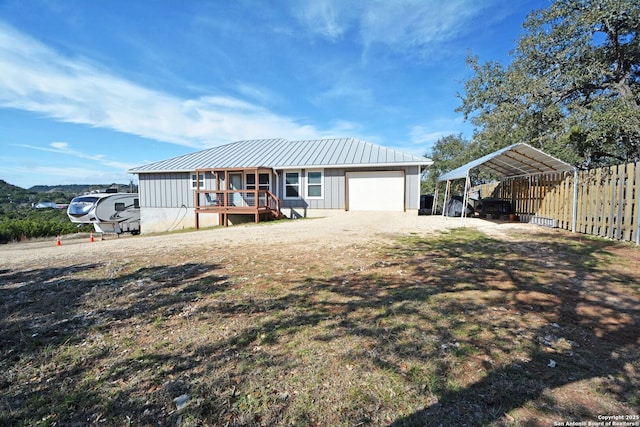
[[329, 232]]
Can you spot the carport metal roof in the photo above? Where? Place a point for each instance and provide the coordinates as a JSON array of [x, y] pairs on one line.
[[515, 160]]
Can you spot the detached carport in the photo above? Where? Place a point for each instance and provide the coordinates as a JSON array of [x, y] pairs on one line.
[[515, 161]]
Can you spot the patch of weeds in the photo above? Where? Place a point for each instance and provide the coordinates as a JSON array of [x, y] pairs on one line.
[[67, 355], [464, 350], [128, 341], [417, 374], [358, 396], [270, 337], [272, 291], [158, 321], [250, 403]]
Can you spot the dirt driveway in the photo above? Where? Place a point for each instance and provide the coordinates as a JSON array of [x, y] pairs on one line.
[[332, 232]]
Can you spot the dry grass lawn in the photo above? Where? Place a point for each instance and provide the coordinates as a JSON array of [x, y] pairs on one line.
[[525, 327]]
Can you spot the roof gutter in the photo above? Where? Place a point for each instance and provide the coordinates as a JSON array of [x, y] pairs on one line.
[[355, 165]]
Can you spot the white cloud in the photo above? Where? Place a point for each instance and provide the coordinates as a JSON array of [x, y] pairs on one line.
[[60, 145], [37, 78], [422, 135], [263, 95], [328, 18], [415, 26], [348, 88], [66, 149], [27, 174], [71, 175]]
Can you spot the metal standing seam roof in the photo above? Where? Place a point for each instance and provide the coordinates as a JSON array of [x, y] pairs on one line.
[[515, 160], [285, 154]]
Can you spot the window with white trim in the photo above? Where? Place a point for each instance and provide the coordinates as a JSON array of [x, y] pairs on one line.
[[197, 182], [315, 185], [292, 185]]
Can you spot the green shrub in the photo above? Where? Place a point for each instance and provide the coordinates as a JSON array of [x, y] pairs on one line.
[[33, 223]]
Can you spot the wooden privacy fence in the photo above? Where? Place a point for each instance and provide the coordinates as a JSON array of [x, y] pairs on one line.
[[607, 201]]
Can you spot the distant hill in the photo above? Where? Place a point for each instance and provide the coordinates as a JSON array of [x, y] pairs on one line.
[[17, 196], [81, 188], [6, 187], [13, 194]]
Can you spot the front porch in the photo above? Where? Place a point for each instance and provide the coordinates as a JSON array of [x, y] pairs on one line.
[[237, 191]]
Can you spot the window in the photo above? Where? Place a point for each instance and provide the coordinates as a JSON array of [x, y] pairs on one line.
[[292, 185], [314, 184], [120, 207], [263, 181], [197, 182]]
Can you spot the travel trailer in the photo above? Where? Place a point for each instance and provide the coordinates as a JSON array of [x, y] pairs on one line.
[[108, 212]]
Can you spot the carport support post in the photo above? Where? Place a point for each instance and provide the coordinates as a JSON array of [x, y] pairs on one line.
[[434, 205], [465, 197], [446, 195]]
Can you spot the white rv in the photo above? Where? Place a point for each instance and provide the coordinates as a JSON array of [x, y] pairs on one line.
[[108, 212]]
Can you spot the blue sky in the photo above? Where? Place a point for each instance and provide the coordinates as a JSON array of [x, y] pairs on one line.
[[89, 89]]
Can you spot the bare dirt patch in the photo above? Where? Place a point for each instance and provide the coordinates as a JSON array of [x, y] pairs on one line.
[[356, 319]]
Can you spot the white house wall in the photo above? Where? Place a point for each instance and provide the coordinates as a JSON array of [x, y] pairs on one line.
[[157, 220]]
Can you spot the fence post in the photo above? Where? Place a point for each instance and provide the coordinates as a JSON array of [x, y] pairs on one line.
[[637, 193], [574, 214]]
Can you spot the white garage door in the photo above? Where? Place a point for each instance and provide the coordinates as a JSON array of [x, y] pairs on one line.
[[375, 191]]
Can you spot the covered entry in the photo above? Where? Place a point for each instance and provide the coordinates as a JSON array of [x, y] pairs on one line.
[[236, 191], [375, 191]]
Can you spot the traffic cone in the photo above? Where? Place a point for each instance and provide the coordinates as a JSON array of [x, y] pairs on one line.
[[91, 239], [58, 241]]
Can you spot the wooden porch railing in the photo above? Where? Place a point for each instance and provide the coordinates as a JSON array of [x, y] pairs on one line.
[[226, 202]]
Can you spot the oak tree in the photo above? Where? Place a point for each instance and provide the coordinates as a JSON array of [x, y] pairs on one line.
[[571, 89]]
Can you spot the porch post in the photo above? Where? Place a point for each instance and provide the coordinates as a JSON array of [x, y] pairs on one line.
[[226, 198], [196, 200], [256, 192]]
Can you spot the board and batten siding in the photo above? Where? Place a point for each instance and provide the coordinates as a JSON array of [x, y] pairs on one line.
[[334, 188], [173, 190], [167, 190], [412, 187]]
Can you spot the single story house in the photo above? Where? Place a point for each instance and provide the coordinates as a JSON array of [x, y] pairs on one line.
[[249, 180]]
